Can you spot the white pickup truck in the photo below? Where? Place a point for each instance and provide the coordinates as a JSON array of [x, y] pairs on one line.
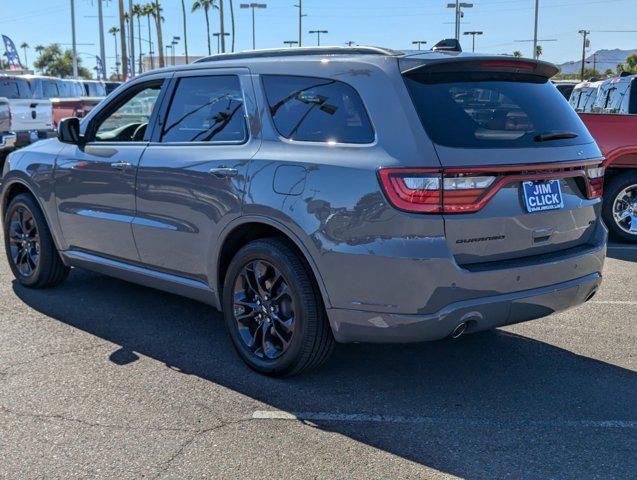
[[23, 119]]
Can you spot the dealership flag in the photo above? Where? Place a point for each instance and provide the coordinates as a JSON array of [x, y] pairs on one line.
[[100, 68], [128, 70], [12, 54]]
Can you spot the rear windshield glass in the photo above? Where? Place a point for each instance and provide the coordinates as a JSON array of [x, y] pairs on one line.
[[14, 88], [317, 110], [477, 110]]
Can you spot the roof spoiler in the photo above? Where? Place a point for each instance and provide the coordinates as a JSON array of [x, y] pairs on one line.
[[447, 45], [453, 64]]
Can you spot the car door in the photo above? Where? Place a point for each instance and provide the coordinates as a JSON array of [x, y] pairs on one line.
[[191, 178], [95, 181]]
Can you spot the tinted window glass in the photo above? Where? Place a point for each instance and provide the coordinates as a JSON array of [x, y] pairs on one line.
[[610, 97], [14, 88], [129, 121], [94, 89], [493, 110], [206, 109], [50, 89], [317, 110]]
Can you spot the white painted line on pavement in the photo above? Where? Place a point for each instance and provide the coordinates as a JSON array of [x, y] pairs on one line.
[[613, 302], [365, 417]]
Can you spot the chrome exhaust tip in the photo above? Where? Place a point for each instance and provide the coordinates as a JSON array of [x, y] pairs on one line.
[[459, 330]]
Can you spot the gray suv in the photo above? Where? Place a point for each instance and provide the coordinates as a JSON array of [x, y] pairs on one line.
[[323, 195]]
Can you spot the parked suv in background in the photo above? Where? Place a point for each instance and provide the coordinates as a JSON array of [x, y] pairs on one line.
[[611, 117], [321, 195]]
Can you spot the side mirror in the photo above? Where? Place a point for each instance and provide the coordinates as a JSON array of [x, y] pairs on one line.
[[69, 130]]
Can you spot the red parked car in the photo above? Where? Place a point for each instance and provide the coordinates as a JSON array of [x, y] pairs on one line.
[[613, 124], [69, 97]]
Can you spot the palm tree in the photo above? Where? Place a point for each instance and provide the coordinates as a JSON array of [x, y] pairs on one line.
[[160, 41], [148, 11], [205, 5], [183, 11], [517, 54], [24, 47], [538, 51], [114, 31], [138, 11], [122, 32], [232, 22]]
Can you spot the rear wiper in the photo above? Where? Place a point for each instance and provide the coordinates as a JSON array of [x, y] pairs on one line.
[[543, 137]]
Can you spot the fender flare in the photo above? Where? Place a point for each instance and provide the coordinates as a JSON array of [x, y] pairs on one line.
[[287, 231]]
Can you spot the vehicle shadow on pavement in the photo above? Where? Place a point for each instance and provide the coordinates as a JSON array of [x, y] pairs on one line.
[[490, 405]]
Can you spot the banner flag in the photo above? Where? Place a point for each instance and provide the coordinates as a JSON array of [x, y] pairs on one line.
[[12, 54], [100, 68]]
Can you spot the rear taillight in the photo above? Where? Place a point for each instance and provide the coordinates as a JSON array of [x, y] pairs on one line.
[[416, 190], [595, 175], [428, 191], [457, 191]]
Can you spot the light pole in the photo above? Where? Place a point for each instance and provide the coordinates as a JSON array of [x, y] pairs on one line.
[[318, 35], [458, 6], [218, 35], [290, 43], [253, 6], [174, 43], [585, 43], [301, 15], [473, 34], [73, 39], [351, 43], [100, 15], [419, 43], [537, 8]]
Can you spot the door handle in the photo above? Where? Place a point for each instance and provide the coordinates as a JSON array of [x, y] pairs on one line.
[[222, 172], [121, 165]]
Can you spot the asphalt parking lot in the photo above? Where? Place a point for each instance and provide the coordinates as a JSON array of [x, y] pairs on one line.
[[102, 378]]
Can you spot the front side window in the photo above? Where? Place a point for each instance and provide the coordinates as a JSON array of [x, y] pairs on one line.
[[206, 109], [129, 121], [317, 110]]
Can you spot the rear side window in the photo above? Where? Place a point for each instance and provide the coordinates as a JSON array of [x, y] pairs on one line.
[[206, 109], [493, 110], [317, 110], [610, 97], [14, 88]]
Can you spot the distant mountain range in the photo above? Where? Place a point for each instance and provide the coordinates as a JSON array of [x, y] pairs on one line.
[[603, 60]]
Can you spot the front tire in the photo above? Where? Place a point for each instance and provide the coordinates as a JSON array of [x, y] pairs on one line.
[[33, 257], [619, 208], [273, 310]]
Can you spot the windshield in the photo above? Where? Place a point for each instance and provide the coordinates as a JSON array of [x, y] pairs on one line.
[[493, 110]]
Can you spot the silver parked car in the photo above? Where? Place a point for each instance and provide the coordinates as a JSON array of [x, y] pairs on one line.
[[323, 194]]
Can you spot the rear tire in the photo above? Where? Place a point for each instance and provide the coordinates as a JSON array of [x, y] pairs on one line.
[[31, 252], [620, 195], [273, 310]]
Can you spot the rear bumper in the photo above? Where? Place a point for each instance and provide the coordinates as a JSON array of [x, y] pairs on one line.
[[7, 141], [479, 314]]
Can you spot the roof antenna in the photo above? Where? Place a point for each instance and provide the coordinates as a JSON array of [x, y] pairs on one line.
[[447, 45]]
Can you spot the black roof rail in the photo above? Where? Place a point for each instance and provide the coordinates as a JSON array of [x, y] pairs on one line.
[[299, 51]]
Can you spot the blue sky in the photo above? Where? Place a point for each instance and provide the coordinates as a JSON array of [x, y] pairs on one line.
[[391, 23]]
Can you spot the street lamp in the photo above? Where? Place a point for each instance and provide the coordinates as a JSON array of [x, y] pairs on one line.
[[253, 6], [318, 35], [458, 6], [291, 43], [473, 34], [419, 43], [218, 35]]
